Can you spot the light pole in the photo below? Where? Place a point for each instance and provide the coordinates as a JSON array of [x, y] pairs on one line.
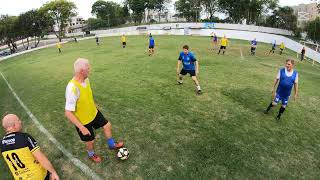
[[34, 33]]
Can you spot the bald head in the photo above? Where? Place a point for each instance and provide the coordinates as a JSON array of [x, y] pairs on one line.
[[11, 122], [81, 65]]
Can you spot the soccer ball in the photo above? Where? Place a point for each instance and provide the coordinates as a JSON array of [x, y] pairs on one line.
[[123, 154]]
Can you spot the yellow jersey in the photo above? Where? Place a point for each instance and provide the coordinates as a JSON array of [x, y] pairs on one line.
[[86, 109], [282, 46], [224, 42], [123, 39], [17, 149], [59, 45]]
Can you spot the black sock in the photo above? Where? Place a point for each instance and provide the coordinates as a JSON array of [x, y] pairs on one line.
[[269, 107], [281, 110], [219, 52], [223, 52]]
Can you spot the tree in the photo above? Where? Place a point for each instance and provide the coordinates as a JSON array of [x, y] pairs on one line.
[[312, 29], [189, 9], [210, 7], [158, 5], [60, 11], [111, 12], [33, 23], [138, 7], [8, 33], [284, 18]]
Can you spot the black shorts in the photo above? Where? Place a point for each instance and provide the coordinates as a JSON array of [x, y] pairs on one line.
[[253, 48], [151, 47], [223, 47], [124, 43], [281, 49], [185, 72], [48, 176], [98, 122], [273, 48]]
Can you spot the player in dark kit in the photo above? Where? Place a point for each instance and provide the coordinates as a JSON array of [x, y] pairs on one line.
[[190, 66], [22, 153], [287, 78], [97, 40]]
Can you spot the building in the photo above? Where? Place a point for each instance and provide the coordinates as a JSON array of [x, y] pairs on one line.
[[76, 24], [305, 13]]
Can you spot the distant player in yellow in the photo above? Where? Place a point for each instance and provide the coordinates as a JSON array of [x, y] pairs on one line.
[[281, 47], [59, 46], [124, 41], [224, 44], [22, 153]]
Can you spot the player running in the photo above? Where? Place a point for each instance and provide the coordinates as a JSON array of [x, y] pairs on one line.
[[124, 41], [190, 66], [81, 110], [273, 47], [224, 43], [151, 45], [281, 47], [253, 46], [22, 153], [303, 52], [287, 78]]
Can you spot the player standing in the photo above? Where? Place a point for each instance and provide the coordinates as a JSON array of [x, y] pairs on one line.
[[303, 52], [190, 66], [273, 47], [281, 47], [22, 153], [97, 40], [253, 46], [214, 40], [224, 43], [81, 110], [151, 45], [287, 78], [124, 41], [59, 46]]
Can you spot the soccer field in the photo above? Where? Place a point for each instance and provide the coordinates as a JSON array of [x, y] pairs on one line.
[[171, 132]]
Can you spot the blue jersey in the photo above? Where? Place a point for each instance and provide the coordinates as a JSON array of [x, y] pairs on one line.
[[286, 83], [215, 38], [254, 42], [187, 60], [151, 42]]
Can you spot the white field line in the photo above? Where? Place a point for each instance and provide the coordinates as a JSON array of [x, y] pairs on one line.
[[84, 168], [241, 54]]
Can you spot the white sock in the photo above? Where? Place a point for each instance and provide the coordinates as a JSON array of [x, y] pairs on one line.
[[198, 87]]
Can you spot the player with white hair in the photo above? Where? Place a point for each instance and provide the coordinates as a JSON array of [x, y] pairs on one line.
[[81, 110]]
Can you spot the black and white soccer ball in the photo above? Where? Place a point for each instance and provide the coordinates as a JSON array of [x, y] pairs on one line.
[[123, 154]]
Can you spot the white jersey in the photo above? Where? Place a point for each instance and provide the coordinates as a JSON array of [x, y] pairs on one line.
[[72, 95]]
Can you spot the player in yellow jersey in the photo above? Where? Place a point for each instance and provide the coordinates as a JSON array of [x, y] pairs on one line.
[[22, 153], [123, 40], [81, 110], [224, 44], [281, 47], [59, 46]]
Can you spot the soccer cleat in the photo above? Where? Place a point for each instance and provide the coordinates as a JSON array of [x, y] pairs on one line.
[[278, 118], [199, 92], [265, 112], [179, 82], [117, 145], [95, 158]]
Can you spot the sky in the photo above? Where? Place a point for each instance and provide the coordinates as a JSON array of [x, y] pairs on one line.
[[15, 7]]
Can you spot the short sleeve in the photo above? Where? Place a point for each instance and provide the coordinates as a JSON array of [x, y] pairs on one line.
[[72, 96], [278, 75], [193, 58], [32, 143], [297, 79], [180, 57]]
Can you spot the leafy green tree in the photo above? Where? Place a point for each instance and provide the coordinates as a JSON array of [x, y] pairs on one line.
[[189, 9], [284, 18], [210, 7], [138, 7], [60, 11], [313, 30], [8, 33]]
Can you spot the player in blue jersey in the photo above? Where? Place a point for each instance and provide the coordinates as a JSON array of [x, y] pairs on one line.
[[287, 78], [253, 46], [151, 45], [214, 40], [273, 47], [190, 66]]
